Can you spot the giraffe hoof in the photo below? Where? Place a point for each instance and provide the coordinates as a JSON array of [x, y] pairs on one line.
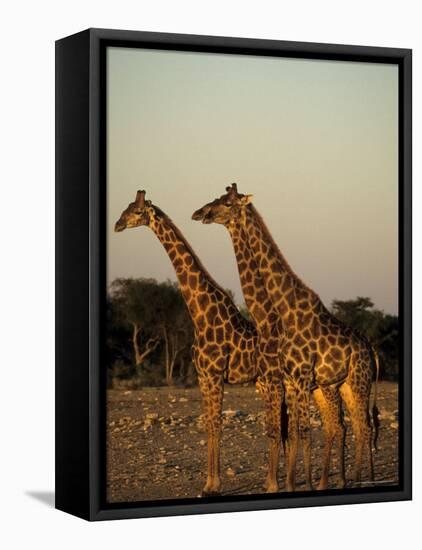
[[271, 488]]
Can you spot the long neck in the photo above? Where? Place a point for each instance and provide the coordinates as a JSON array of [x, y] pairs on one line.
[[287, 291], [192, 276], [256, 297], [245, 262]]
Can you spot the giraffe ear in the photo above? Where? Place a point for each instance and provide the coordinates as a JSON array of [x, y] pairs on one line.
[[247, 199], [149, 208]]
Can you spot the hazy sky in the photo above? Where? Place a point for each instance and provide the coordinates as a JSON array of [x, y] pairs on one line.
[[315, 142]]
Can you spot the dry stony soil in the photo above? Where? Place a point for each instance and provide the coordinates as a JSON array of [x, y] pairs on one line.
[[156, 443]]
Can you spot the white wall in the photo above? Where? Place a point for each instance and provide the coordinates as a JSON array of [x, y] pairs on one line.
[[27, 268]]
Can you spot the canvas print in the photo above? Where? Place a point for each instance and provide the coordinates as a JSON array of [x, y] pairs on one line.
[[252, 334]]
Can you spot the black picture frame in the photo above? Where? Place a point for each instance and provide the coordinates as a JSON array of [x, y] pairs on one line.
[[80, 271]]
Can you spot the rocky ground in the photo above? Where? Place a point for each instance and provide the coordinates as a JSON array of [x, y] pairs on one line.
[[156, 443]]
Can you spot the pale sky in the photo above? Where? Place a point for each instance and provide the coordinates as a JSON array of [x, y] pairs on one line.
[[315, 142]]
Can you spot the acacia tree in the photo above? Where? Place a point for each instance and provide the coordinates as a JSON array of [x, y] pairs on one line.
[[175, 324], [152, 313], [134, 300]]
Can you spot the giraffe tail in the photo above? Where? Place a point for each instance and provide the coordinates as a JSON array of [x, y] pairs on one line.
[[375, 411]]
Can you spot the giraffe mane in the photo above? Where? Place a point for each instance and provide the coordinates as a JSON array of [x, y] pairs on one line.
[[280, 255], [201, 266]]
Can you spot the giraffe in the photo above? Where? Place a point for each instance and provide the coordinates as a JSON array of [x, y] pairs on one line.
[[224, 342], [269, 329], [321, 355], [258, 301]]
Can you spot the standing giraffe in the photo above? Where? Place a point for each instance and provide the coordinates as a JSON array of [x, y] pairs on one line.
[[269, 328], [264, 314], [224, 343], [317, 349]]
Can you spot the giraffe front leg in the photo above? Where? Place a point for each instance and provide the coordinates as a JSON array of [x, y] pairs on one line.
[[273, 393], [328, 437], [305, 433], [211, 385], [291, 400], [213, 484], [341, 442]]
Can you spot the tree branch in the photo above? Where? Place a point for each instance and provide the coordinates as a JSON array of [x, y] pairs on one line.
[[150, 346]]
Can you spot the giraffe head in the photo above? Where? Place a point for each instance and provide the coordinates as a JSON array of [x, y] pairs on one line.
[[136, 214], [226, 210]]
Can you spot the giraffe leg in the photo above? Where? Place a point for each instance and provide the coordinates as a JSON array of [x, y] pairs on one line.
[[292, 445], [273, 397], [328, 436], [365, 434], [357, 402], [329, 404], [350, 402], [305, 433], [211, 385]]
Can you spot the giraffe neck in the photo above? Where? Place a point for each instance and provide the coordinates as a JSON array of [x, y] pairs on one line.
[[191, 274], [245, 262], [288, 292], [257, 300]]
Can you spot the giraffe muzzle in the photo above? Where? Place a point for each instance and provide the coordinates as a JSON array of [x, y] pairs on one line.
[[120, 226], [198, 215]]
